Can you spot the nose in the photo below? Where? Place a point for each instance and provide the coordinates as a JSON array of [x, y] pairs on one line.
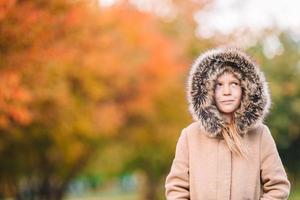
[[226, 89]]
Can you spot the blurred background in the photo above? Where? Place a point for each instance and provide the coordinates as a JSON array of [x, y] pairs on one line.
[[92, 92]]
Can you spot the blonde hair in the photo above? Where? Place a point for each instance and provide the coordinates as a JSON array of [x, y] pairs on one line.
[[234, 140]]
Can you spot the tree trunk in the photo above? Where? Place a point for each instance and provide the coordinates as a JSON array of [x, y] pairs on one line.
[[150, 187], [150, 193]]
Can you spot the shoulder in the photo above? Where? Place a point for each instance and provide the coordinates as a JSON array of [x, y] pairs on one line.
[[267, 137], [264, 132], [258, 134], [261, 130], [267, 141], [193, 129], [194, 126], [195, 132]]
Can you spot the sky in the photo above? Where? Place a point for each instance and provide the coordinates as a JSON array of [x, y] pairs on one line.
[[225, 15]]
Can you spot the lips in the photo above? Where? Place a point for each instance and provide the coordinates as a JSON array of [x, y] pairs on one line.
[[227, 101]]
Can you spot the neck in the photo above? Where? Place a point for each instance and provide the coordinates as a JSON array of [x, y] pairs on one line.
[[227, 117]]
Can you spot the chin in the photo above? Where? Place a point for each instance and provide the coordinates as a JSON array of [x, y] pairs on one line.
[[227, 111]]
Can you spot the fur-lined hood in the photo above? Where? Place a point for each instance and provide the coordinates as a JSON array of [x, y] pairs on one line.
[[255, 103]]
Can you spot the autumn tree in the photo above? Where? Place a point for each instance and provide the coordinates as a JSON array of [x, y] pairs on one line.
[[75, 75], [147, 143]]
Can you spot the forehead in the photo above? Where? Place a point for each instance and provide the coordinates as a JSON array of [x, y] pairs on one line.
[[227, 76]]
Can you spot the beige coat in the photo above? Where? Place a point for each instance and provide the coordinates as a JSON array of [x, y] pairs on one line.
[[205, 169]]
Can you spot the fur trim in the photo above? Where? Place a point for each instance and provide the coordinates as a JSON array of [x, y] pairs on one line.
[[204, 71]]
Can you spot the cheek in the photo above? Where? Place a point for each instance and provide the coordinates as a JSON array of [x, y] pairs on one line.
[[217, 94], [238, 93]]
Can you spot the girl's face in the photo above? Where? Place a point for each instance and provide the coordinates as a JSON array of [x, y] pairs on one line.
[[228, 93]]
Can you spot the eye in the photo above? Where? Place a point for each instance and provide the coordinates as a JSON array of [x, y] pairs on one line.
[[235, 83]]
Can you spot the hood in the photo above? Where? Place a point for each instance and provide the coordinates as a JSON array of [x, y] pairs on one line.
[[255, 103]]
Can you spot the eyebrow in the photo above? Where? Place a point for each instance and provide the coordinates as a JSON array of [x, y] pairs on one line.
[[230, 81]]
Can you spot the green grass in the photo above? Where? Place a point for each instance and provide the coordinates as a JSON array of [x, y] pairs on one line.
[[105, 197]]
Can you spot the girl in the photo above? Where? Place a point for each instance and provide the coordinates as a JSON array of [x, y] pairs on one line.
[[227, 153]]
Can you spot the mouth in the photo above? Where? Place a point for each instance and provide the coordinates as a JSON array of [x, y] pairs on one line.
[[227, 101]]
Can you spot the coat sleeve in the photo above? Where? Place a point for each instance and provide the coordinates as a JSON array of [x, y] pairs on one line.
[[177, 181], [275, 183]]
